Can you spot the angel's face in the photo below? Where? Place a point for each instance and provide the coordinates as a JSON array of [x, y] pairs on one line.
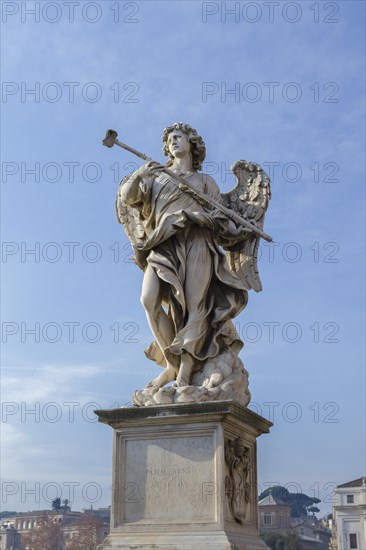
[[178, 144]]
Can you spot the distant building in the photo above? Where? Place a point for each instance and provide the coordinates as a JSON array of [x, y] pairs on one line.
[[24, 521], [9, 537], [18, 527], [274, 515], [312, 532], [349, 516]]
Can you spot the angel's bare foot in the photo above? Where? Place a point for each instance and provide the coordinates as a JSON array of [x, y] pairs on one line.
[[168, 375], [185, 370]]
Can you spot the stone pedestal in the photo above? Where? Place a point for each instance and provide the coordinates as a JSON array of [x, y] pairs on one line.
[[184, 477]]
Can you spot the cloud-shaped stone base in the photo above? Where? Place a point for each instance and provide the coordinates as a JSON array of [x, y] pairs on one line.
[[222, 378]]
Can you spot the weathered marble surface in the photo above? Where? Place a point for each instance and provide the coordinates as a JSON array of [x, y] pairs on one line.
[[166, 467], [198, 250], [184, 477]]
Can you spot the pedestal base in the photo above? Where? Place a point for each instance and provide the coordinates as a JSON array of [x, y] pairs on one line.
[[184, 477]]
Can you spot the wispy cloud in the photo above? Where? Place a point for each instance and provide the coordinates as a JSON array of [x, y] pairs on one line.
[[45, 383]]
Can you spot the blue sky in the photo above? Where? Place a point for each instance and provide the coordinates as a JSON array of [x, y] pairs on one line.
[[160, 62]]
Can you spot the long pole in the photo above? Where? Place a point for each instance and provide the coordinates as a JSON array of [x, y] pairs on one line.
[[111, 139]]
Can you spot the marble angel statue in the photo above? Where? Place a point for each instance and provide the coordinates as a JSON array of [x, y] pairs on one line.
[[198, 263]]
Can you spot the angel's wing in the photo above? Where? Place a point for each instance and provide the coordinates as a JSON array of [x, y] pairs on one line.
[[133, 225], [249, 198]]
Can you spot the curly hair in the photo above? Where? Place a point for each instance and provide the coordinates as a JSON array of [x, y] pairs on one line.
[[198, 147]]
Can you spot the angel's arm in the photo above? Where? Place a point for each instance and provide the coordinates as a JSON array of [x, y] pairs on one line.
[[131, 192]]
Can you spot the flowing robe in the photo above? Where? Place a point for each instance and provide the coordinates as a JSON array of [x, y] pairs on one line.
[[179, 243]]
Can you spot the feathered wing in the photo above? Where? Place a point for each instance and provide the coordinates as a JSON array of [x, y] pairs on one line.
[[249, 199], [133, 225]]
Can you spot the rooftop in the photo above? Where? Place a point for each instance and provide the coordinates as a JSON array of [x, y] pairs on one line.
[[355, 483], [271, 500]]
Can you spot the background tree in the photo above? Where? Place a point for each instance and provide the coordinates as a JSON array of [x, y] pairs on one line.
[[299, 502], [277, 541], [292, 542], [85, 533], [6, 514], [47, 536]]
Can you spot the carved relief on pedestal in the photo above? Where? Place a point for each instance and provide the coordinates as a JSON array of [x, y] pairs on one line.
[[237, 484]]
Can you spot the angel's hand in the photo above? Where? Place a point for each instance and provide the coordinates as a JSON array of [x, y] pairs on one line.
[[244, 231], [240, 231], [148, 170]]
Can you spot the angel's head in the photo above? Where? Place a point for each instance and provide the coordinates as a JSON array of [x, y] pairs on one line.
[[181, 138]]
